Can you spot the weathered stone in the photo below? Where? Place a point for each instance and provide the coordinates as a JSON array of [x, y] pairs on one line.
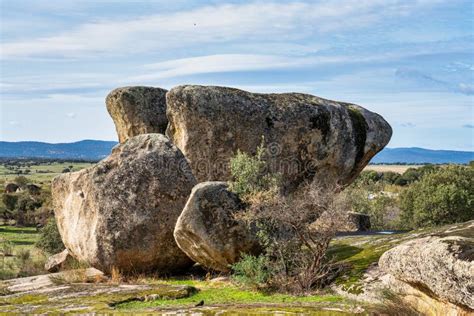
[[121, 212], [345, 222], [307, 137], [57, 261], [439, 266], [207, 230], [137, 110], [356, 222]]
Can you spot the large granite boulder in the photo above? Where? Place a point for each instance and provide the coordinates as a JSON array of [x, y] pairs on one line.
[[137, 110], [306, 136], [207, 230], [121, 212], [441, 267]]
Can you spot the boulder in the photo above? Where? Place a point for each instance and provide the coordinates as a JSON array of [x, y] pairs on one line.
[[57, 261], [137, 110], [356, 222], [207, 230], [121, 212], [441, 267], [344, 222], [307, 137]]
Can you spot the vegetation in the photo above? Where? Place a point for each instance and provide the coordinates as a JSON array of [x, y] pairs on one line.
[[443, 196], [293, 259], [49, 238]]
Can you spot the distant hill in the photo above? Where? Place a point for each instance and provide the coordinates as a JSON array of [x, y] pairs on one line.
[[420, 155], [98, 149], [82, 150]]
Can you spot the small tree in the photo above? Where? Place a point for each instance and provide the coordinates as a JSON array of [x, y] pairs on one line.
[[294, 257], [50, 240], [21, 181]]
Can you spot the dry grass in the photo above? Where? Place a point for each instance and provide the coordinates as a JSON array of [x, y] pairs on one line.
[[394, 168]]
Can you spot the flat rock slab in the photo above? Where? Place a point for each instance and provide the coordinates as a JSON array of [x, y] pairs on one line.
[[51, 293]]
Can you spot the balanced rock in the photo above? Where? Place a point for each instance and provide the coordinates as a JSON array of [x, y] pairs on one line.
[[121, 212], [307, 137], [137, 110], [207, 230], [439, 266]]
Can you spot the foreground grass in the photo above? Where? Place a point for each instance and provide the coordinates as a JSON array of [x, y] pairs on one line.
[[230, 295], [13, 242]]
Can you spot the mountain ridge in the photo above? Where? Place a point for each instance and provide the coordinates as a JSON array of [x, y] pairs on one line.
[[89, 149]]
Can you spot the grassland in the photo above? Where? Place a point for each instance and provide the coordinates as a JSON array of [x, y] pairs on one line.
[[39, 173], [394, 168], [15, 242]]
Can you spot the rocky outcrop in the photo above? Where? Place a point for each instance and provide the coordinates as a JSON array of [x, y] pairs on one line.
[[122, 211], [57, 261], [307, 137], [207, 230], [137, 110], [440, 267]]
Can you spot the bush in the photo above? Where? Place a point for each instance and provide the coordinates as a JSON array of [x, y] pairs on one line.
[[50, 240], [293, 258], [252, 271], [443, 196], [390, 177], [250, 173]]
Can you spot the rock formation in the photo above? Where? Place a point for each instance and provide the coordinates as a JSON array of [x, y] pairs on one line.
[[137, 110], [122, 211], [207, 230], [307, 137], [57, 261], [441, 267]]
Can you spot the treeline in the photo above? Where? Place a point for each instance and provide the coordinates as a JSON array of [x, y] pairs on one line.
[[420, 197]]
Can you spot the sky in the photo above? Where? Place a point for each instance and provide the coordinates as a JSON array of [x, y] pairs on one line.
[[412, 61]]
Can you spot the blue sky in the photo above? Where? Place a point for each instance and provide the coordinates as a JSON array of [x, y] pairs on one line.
[[410, 60]]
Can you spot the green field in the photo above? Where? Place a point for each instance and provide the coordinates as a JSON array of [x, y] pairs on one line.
[[15, 242], [40, 173]]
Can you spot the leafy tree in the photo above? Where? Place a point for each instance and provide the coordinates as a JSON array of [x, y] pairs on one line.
[[21, 181], [10, 201], [443, 196]]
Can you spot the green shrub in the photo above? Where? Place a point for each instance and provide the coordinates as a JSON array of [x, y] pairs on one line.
[[250, 173], [50, 239], [251, 271], [443, 196], [390, 177], [6, 248]]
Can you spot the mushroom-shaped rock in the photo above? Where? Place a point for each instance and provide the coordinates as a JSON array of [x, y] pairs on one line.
[[207, 230], [307, 137], [121, 212], [440, 266], [137, 110]]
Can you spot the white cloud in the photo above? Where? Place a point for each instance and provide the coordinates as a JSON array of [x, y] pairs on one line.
[[262, 21], [71, 115]]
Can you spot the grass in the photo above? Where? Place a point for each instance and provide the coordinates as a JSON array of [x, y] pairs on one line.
[[19, 239], [394, 168], [230, 295], [40, 173]]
